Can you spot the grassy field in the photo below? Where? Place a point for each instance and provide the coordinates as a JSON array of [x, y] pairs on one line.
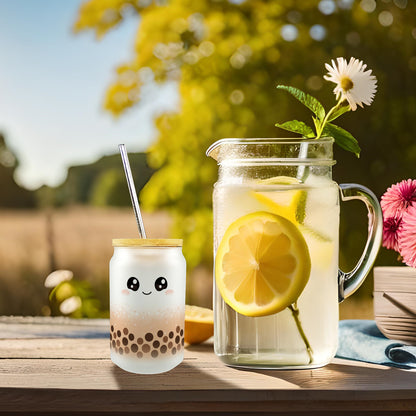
[[33, 243]]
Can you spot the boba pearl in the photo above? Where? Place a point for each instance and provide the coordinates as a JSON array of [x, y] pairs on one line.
[[124, 342], [148, 337]]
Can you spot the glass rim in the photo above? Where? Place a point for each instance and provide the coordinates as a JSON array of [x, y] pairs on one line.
[[267, 140], [147, 242]]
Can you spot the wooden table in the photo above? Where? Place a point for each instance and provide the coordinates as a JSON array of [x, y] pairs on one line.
[[57, 365]]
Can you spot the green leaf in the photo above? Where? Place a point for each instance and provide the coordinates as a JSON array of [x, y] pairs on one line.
[[339, 112], [311, 102], [296, 126], [342, 138]]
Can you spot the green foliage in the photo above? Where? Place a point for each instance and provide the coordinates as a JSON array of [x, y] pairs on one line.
[[197, 247], [343, 138], [101, 183], [339, 111], [227, 58], [296, 126], [81, 292], [307, 100], [12, 195], [109, 189]]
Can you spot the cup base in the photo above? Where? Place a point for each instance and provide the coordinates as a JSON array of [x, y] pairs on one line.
[[146, 366]]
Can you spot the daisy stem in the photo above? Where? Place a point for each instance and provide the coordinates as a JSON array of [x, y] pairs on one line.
[[320, 127], [295, 313]]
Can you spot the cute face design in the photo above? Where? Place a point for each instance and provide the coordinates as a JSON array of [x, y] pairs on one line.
[[160, 284], [146, 291], [146, 284]]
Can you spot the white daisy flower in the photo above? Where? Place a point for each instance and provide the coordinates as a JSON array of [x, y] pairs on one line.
[[58, 276], [70, 305], [354, 84]]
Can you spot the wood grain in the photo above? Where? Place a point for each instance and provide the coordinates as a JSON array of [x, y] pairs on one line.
[[53, 365]]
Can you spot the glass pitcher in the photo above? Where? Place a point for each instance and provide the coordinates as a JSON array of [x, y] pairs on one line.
[[276, 224]]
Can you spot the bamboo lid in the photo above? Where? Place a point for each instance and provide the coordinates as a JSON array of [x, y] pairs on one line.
[[147, 242]]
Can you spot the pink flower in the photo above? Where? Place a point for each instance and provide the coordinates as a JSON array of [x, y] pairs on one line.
[[407, 237], [391, 232], [398, 198]]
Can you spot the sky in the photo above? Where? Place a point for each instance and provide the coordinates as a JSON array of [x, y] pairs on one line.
[[52, 87]]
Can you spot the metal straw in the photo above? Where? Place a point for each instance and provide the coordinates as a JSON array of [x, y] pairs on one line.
[[132, 190]]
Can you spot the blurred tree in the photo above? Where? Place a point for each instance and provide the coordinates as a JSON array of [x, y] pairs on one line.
[[101, 183], [110, 189], [227, 56], [12, 195]]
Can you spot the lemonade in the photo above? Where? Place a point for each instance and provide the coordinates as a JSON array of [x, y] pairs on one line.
[[269, 334], [276, 279]]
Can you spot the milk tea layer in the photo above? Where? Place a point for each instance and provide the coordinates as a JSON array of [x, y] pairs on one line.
[[274, 340]]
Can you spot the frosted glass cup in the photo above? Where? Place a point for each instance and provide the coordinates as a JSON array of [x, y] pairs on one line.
[[147, 304]]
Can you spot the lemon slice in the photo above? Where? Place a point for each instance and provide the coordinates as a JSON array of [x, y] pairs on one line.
[[279, 180], [288, 203], [321, 247], [262, 264], [199, 324]]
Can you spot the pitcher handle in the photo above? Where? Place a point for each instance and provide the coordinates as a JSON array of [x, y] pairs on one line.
[[349, 282]]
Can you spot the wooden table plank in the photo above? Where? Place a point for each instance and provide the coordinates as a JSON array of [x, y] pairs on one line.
[[34, 362], [12, 327], [48, 365], [253, 402]]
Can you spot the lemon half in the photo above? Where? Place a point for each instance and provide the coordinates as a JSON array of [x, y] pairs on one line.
[[262, 264], [199, 324]]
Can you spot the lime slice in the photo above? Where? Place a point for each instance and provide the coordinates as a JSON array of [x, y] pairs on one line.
[[262, 264]]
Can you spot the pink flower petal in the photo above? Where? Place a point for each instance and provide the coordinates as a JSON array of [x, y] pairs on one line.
[[398, 198], [391, 231], [407, 237]]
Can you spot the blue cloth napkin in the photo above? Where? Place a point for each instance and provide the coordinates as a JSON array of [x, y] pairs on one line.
[[361, 340]]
